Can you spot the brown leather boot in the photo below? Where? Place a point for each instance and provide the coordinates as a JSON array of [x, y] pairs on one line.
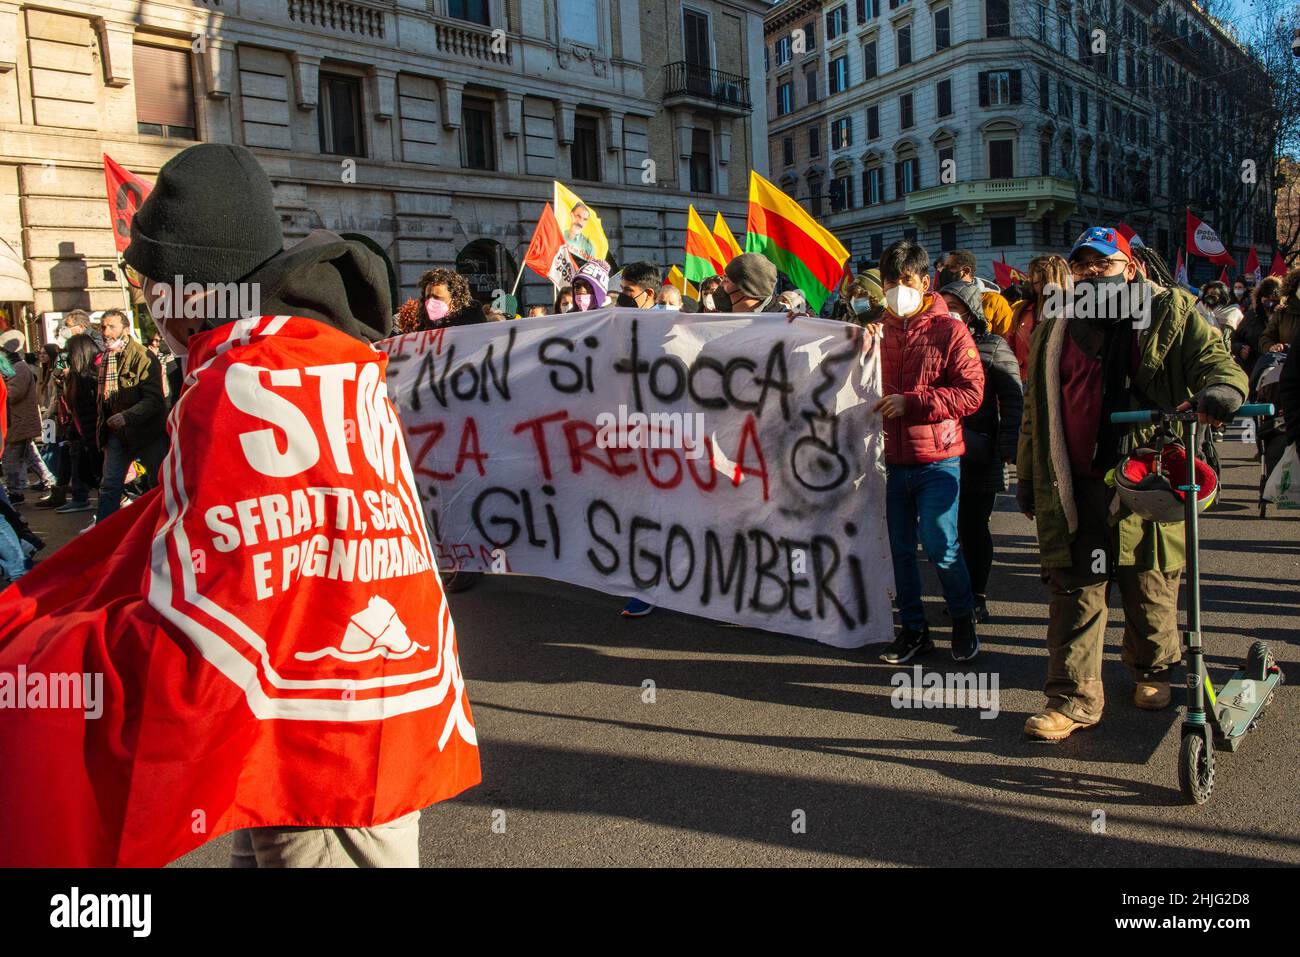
[[1152, 695], [1049, 725]]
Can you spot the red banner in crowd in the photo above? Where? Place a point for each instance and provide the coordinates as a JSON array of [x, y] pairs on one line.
[[1279, 265], [262, 641], [1005, 275], [126, 192]]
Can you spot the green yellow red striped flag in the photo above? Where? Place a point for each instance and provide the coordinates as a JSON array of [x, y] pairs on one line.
[[806, 252], [726, 242], [675, 278], [703, 258]]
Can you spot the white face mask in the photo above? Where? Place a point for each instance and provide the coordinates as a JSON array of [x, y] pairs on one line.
[[707, 300], [179, 350], [903, 301], [861, 305], [667, 307]]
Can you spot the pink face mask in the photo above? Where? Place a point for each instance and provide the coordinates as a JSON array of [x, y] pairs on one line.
[[583, 302], [435, 309]]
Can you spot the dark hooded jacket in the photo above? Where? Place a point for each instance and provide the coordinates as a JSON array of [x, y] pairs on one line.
[[991, 432], [333, 280]]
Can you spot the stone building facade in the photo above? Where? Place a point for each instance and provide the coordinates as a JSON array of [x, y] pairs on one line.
[[1006, 126], [433, 126]]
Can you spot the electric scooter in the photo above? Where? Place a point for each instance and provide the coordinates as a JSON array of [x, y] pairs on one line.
[[1240, 704]]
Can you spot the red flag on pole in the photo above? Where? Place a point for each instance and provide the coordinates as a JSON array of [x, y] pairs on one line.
[[126, 192], [1279, 265], [1180, 270], [548, 254], [265, 642], [1253, 270], [1203, 241], [1223, 276], [1005, 275]]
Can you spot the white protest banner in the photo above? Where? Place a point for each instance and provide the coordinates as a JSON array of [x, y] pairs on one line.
[[727, 466]]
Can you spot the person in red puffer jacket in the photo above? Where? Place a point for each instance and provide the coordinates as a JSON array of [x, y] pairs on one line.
[[932, 377]]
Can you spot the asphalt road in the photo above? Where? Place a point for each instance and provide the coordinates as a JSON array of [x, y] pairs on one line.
[[750, 733]]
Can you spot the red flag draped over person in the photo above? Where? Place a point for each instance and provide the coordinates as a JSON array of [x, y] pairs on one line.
[[126, 192], [262, 643]]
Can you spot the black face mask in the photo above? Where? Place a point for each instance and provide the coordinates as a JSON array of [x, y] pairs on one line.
[[721, 301], [625, 300], [948, 276], [1102, 301]]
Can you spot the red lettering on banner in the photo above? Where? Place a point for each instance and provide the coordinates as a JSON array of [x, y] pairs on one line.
[[469, 441], [713, 471], [657, 457], [748, 436], [537, 426], [580, 450], [435, 431]]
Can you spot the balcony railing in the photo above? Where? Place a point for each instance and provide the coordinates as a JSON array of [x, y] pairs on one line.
[[471, 43], [684, 80], [341, 16], [1033, 196]]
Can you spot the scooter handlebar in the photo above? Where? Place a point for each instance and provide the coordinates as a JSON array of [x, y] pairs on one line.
[[1249, 411], [1254, 409]]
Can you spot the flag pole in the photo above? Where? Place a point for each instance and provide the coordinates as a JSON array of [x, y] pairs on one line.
[[126, 298]]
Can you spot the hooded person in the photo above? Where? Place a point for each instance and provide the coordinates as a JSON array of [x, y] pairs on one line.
[[990, 434], [271, 658], [589, 287], [1109, 353]]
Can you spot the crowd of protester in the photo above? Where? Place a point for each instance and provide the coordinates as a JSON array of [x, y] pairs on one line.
[[977, 380], [84, 415]]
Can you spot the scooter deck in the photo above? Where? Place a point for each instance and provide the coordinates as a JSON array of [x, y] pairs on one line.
[[1236, 706]]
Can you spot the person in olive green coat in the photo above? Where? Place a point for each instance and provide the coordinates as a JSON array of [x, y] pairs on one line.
[[1080, 371]]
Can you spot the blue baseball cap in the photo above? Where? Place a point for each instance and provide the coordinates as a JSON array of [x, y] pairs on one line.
[[1104, 239]]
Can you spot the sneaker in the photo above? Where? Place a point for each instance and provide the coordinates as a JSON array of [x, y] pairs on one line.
[[74, 506], [965, 643], [57, 497], [636, 608], [908, 645], [88, 527]]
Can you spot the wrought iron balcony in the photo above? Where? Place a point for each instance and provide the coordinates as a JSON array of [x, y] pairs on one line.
[[687, 83]]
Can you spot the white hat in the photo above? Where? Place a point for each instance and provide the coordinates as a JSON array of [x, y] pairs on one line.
[[12, 341]]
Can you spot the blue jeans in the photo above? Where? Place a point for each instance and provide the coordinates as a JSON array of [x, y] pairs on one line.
[[925, 498]]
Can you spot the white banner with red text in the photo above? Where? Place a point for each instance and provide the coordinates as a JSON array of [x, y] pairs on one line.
[[727, 466]]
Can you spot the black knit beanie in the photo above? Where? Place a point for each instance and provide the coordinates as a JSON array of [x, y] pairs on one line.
[[210, 218]]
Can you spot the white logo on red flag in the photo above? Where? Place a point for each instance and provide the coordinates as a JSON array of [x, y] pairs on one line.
[[317, 593]]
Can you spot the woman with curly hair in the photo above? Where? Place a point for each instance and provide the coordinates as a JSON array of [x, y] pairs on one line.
[[445, 300], [1046, 274], [1284, 323], [1245, 340]]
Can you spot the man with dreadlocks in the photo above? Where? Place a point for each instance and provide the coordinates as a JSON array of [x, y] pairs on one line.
[[1083, 368]]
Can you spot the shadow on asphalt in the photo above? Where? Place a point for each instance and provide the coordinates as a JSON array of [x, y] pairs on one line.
[[850, 819]]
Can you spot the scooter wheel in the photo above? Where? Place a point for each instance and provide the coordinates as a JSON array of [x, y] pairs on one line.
[[1195, 769], [1258, 661]]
